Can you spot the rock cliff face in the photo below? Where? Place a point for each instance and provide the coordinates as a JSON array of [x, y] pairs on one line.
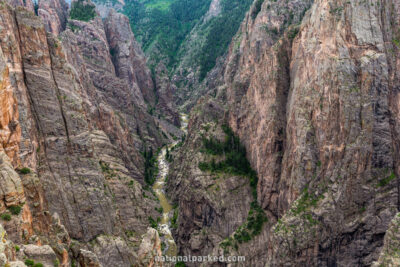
[[54, 14], [73, 122], [311, 89], [211, 205], [128, 58]]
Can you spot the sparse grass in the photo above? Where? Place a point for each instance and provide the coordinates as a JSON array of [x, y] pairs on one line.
[[306, 201]]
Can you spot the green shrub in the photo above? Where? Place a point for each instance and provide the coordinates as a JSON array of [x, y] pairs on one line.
[[17, 248], [15, 209], [73, 27], [25, 170], [105, 167], [253, 225], [6, 216], [83, 11], [180, 264], [160, 210], [174, 219], [387, 180], [292, 33], [38, 264], [29, 262], [153, 223]]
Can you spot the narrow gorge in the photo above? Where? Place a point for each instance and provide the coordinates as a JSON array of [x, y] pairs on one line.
[[199, 133], [168, 218]]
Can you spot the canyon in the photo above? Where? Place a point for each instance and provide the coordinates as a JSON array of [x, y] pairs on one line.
[[288, 154]]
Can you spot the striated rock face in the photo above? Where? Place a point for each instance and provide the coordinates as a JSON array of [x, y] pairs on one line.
[[10, 133], [119, 99], [127, 56], [54, 14], [14, 93], [73, 123], [312, 91]]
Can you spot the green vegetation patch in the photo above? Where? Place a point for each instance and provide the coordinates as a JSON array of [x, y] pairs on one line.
[[387, 180], [174, 224], [15, 209], [83, 11], [6, 216], [29, 262], [154, 223], [235, 162], [164, 23], [150, 166], [25, 170]]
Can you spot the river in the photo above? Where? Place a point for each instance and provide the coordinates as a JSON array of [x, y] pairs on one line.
[[164, 227]]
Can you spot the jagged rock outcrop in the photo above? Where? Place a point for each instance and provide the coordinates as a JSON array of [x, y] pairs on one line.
[[165, 95], [214, 10], [28, 4], [43, 254], [54, 14], [127, 56], [12, 191], [149, 249]]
